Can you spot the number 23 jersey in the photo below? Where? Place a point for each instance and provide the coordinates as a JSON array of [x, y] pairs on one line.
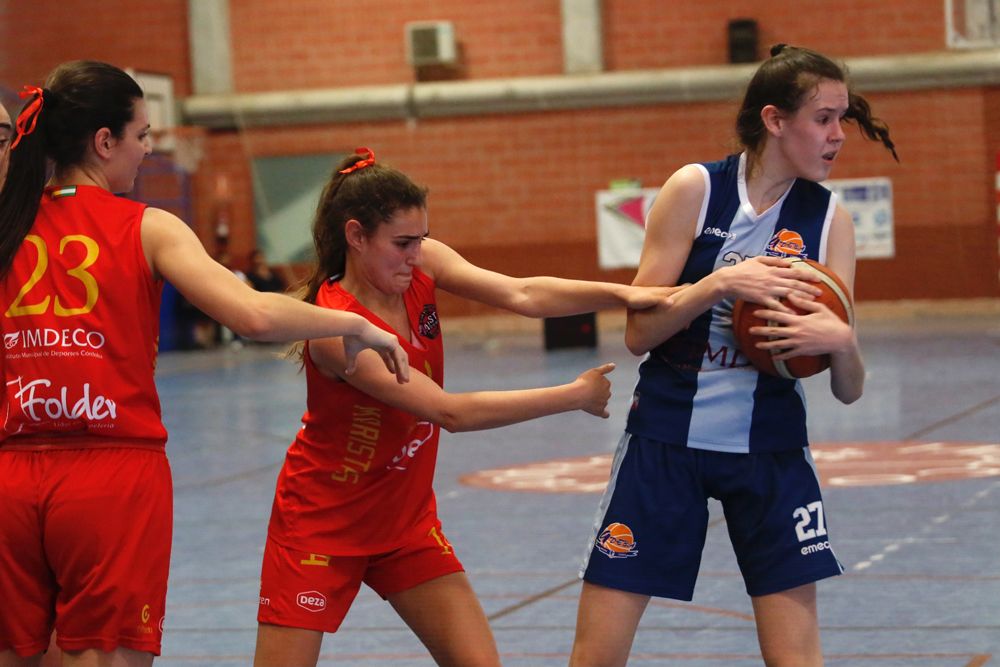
[[80, 327]]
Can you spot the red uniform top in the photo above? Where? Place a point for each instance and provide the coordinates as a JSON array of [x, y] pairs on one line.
[[80, 327], [357, 479]]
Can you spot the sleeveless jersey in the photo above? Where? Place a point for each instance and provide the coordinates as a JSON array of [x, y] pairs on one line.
[[80, 327], [696, 389], [357, 479]]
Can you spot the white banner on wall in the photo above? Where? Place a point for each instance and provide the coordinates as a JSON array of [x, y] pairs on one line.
[[869, 201], [621, 220], [621, 225]]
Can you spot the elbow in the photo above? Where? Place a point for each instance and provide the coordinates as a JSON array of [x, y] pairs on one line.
[[848, 395], [847, 399], [525, 306], [634, 342], [451, 423], [255, 322]]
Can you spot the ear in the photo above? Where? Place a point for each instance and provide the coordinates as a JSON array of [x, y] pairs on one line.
[[104, 141], [354, 233], [773, 119]]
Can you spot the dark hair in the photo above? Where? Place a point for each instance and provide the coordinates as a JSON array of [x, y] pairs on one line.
[[371, 195], [79, 98], [784, 80]]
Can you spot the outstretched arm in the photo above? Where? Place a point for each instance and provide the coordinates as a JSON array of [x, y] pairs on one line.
[[175, 253], [469, 411], [537, 296]]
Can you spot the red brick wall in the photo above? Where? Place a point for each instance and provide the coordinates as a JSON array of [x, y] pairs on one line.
[[316, 43], [651, 33], [515, 192], [37, 35]]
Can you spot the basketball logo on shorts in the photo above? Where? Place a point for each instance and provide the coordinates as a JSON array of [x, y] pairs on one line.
[[428, 325], [786, 243], [617, 541]]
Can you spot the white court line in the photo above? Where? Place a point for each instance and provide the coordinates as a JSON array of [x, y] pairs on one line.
[[939, 520]]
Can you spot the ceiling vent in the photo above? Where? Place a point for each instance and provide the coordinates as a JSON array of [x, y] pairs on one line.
[[430, 43]]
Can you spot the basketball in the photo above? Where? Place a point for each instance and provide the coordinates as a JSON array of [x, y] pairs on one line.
[[835, 296]]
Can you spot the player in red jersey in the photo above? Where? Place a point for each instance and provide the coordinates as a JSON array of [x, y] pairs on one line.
[[354, 502], [81, 272]]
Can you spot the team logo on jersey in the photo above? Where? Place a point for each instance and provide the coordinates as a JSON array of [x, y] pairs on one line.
[[617, 541], [42, 401], [313, 601], [786, 243], [720, 233], [429, 326], [77, 339]]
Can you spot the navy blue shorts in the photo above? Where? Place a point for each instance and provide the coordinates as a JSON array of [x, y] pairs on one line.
[[650, 528]]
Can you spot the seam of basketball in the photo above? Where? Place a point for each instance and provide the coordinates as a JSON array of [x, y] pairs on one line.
[[779, 364], [835, 288]]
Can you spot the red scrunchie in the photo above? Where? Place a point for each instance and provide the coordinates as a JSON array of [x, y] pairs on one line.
[[361, 164], [28, 118]]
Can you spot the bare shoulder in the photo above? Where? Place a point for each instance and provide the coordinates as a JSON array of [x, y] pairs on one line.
[[156, 222], [679, 202], [681, 196], [436, 258]]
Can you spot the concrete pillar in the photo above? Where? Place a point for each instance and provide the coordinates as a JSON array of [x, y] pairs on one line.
[[583, 45], [211, 46]]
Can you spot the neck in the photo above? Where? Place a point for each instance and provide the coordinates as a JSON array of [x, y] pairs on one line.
[[767, 180], [79, 175], [355, 282]]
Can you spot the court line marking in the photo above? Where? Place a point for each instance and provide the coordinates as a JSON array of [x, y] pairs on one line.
[[968, 412]]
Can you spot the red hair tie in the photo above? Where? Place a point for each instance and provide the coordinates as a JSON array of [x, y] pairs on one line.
[[361, 164], [28, 117]]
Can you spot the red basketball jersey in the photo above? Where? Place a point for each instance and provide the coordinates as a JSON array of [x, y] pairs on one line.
[[357, 479], [80, 327]]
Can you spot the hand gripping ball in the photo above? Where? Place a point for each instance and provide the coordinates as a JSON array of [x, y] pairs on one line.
[[835, 296]]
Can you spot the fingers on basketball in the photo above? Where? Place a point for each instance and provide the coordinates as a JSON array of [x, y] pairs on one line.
[[834, 296]]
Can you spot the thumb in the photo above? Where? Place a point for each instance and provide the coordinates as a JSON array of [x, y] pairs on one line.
[[352, 363]]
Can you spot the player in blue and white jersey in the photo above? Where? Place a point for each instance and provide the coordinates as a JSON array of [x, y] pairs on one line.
[[704, 423]]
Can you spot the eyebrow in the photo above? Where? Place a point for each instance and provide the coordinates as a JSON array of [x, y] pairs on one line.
[[411, 237], [7, 126]]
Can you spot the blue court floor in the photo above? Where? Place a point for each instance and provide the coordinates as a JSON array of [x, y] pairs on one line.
[[912, 476]]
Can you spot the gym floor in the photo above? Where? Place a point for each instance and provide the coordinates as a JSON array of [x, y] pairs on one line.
[[911, 475]]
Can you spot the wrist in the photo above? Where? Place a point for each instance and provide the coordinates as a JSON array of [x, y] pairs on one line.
[[576, 395], [718, 282], [849, 342]]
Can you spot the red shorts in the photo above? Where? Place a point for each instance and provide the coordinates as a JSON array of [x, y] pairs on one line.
[[313, 591], [84, 547]]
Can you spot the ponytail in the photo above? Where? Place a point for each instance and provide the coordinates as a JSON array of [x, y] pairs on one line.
[[784, 80], [58, 123]]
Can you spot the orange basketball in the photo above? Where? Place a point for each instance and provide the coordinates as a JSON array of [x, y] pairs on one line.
[[835, 296]]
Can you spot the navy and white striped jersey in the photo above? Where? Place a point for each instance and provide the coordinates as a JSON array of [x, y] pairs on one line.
[[695, 389]]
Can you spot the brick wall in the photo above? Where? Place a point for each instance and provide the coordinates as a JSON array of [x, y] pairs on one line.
[[37, 35], [651, 33]]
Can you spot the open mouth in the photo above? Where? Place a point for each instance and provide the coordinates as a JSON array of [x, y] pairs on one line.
[[829, 157]]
